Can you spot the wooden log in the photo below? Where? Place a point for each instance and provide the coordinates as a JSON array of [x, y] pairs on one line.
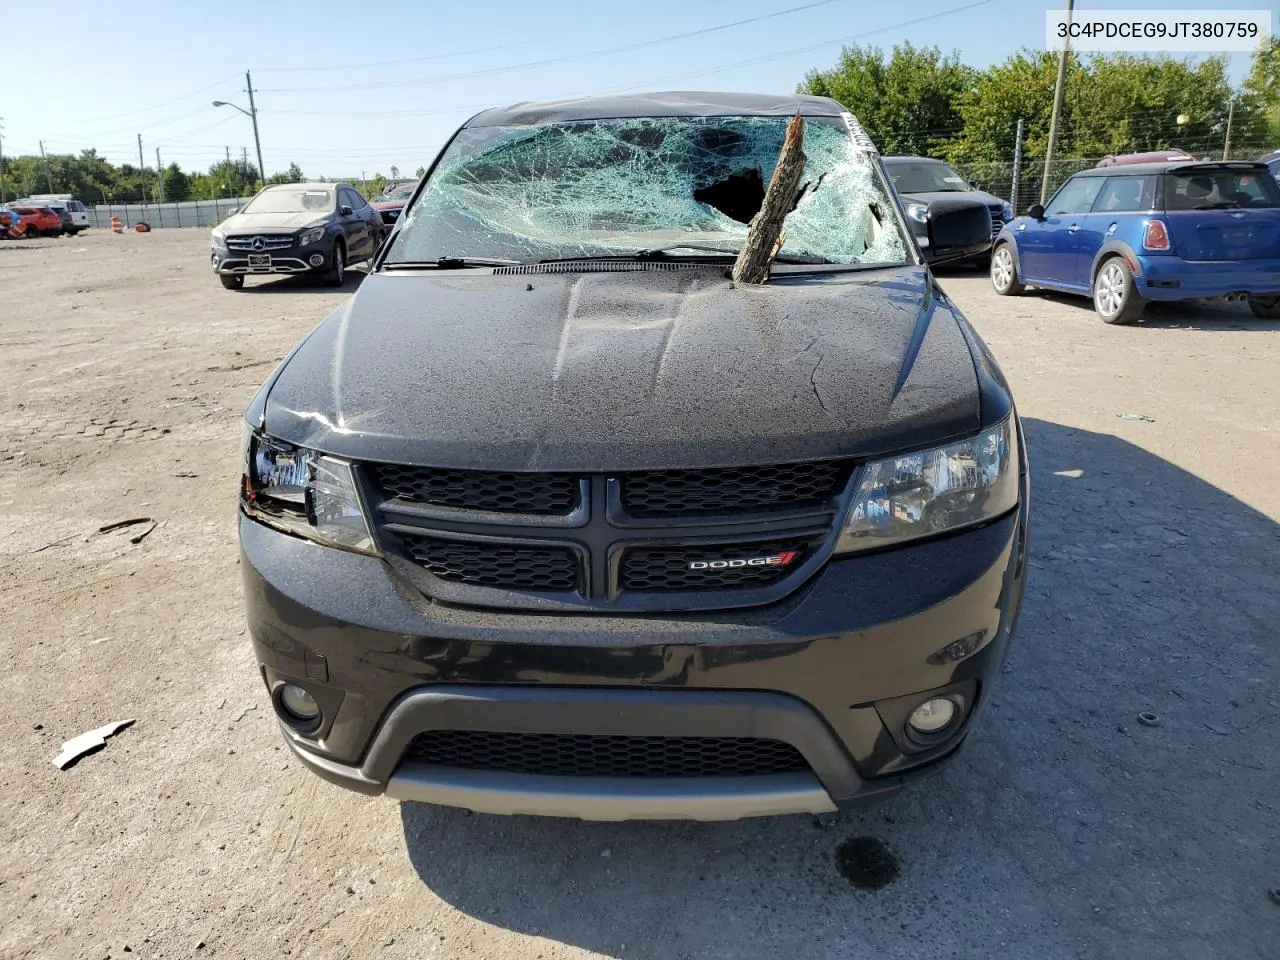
[[764, 235]]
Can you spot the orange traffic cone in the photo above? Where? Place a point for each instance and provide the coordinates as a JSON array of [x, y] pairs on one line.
[[117, 225]]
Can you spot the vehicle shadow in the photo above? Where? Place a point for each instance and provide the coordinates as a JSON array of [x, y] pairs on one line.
[[303, 283], [1184, 315], [1069, 827]]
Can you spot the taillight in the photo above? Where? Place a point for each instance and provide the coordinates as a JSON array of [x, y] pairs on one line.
[[1157, 236]]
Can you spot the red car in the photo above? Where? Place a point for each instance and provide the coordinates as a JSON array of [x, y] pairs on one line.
[[39, 221], [1150, 156], [391, 201]]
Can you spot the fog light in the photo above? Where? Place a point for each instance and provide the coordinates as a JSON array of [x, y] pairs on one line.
[[315, 259], [298, 703], [933, 716]]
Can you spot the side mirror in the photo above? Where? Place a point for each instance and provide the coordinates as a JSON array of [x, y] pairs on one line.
[[958, 231], [345, 210], [974, 185], [1035, 211]]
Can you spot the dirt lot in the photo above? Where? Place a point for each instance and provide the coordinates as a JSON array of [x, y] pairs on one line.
[[1068, 829]]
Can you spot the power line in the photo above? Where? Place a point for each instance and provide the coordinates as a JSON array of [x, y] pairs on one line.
[[157, 106], [609, 51]]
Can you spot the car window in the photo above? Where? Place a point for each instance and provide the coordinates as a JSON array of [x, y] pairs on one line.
[[925, 177], [1209, 188], [357, 199], [1123, 195], [1075, 196]]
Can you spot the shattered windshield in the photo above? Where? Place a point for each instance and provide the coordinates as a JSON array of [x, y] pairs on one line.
[[617, 186]]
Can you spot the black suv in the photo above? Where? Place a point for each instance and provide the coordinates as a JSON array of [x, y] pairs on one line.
[[314, 228], [553, 517], [930, 188]]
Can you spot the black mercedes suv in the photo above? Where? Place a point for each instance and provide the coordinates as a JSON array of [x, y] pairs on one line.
[[554, 517], [315, 228]]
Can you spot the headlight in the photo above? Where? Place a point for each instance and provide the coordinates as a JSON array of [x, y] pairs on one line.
[[1007, 212], [308, 237], [303, 492], [934, 491], [219, 238], [918, 212]]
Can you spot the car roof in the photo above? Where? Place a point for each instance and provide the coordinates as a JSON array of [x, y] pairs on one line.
[[666, 104], [912, 160], [1165, 166], [308, 185]]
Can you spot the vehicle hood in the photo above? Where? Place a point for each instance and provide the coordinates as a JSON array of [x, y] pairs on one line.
[[628, 370], [270, 222], [387, 204], [954, 198]]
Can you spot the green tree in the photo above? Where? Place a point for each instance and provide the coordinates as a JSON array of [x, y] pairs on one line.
[[420, 172], [292, 175], [1262, 89], [177, 185], [908, 103]]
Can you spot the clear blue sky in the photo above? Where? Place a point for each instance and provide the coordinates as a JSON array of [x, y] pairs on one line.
[[401, 77]]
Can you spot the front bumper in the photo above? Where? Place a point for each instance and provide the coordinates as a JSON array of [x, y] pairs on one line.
[[1172, 278], [294, 259], [833, 670]]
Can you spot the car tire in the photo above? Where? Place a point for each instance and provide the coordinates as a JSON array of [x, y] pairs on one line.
[[336, 275], [1004, 272], [1115, 295], [232, 281], [1265, 308]]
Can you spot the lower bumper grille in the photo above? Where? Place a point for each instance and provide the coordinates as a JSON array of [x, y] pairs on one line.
[[486, 564], [586, 755]]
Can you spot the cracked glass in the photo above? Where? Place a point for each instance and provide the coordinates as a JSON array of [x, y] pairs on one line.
[[617, 186]]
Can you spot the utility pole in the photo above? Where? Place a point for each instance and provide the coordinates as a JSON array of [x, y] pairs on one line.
[[1, 161], [159, 177], [142, 168], [1057, 104], [48, 177], [253, 115], [228, 149], [1017, 167], [1231, 113]]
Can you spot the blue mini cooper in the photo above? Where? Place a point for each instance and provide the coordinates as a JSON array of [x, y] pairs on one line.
[[1150, 231]]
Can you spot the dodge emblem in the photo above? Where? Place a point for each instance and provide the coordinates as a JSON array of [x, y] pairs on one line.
[[774, 560]]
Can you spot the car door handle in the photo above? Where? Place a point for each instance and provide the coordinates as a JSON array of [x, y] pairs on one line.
[[1073, 228]]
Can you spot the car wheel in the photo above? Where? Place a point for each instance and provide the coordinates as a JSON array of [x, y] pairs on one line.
[[1265, 308], [1004, 272], [1115, 296], [337, 271], [232, 281]]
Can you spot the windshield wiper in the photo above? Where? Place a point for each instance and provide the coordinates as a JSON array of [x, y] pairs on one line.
[[448, 263], [665, 253]]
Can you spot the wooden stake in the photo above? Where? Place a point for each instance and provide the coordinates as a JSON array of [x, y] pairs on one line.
[[764, 236]]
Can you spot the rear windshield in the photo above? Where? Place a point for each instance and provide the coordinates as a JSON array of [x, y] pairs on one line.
[[617, 186], [1220, 190]]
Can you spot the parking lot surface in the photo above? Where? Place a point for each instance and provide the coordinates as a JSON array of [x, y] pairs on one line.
[[1069, 828]]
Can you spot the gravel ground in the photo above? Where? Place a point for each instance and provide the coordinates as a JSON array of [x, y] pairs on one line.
[[1068, 829]]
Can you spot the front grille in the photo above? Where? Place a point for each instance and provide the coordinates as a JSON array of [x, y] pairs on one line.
[[997, 222], [534, 494], [684, 493], [667, 569], [269, 242], [487, 564], [587, 755]]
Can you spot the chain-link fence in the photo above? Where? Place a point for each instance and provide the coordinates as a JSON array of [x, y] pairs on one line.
[[997, 176], [192, 213]]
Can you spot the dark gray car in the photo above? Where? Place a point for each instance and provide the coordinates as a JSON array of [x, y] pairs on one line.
[[931, 188], [553, 517], [314, 227]]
